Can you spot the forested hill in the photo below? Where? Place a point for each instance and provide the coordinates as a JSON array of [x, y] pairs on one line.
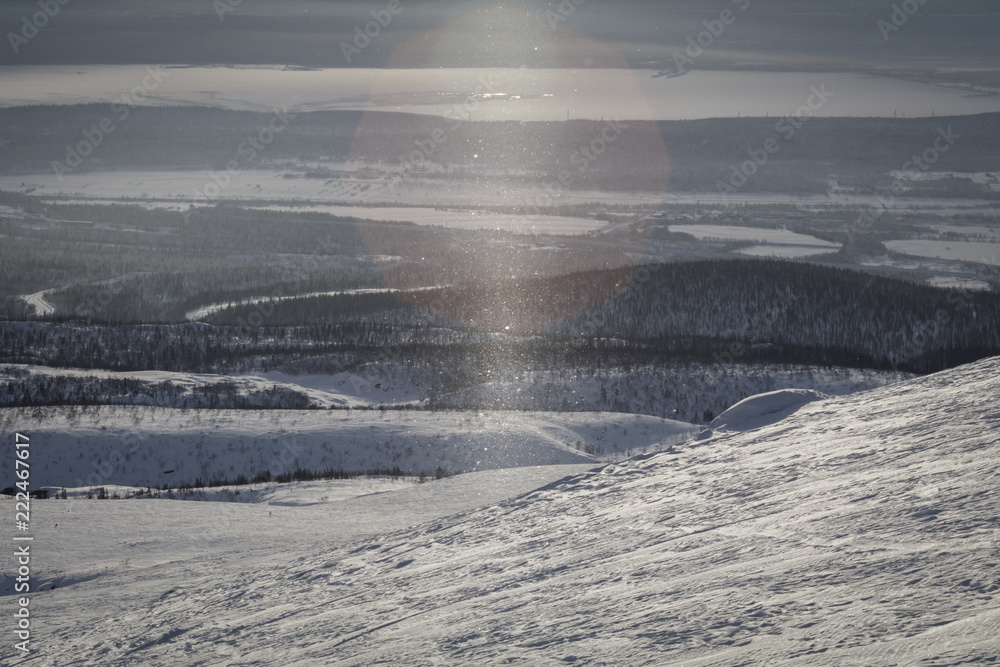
[[709, 310], [850, 315]]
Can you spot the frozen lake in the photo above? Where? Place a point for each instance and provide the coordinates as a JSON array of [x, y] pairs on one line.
[[418, 215], [495, 94], [784, 251], [963, 251], [455, 219], [774, 242]]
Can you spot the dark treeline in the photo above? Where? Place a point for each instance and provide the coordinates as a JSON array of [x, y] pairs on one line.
[[42, 389], [766, 310], [771, 302]]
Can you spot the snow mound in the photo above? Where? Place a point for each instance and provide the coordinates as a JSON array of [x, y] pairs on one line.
[[764, 409]]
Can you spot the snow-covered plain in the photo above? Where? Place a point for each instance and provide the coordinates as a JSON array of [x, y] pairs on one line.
[[990, 232], [756, 234], [182, 187], [681, 392], [784, 251], [525, 94], [776, 242], [980, 252], [939, 272], [860, 530], [456, 219], [686, 390]]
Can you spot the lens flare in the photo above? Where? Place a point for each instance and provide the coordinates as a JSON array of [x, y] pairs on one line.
[[519, 151]]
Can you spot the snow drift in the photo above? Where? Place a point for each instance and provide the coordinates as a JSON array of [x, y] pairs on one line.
[[858, 530], [764, 409]]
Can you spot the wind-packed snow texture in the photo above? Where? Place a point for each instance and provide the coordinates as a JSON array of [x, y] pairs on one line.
[[860, 530]]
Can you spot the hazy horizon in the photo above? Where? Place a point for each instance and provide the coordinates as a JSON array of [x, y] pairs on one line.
[[765, 34]]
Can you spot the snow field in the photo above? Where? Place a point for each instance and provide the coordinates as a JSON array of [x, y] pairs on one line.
[[173, 187], [525, 94], [859, 530], [981, 252]]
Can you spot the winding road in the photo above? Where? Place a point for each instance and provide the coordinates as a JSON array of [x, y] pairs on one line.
[[42, 307]]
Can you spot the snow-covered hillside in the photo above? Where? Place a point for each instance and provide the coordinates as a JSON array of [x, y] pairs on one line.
[[143, 446], [690, 392], [686, 391], [858, 530]]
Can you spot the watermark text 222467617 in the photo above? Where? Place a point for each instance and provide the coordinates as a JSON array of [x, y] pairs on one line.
[[31, 25], [23, 473], [22, 552]]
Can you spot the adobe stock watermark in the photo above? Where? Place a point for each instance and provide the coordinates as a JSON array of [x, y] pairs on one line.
[[786, 129], [292, 280], [919, 340], [583, 159], [363, 36], [640, 276], [917, 164], [284, 462], [757, 333], [427, 147], [901, 14], [121, 109], [105, 468], [223, 7], [563, 12], [704, 40], [248, 151], [96, 304], [30, 26]]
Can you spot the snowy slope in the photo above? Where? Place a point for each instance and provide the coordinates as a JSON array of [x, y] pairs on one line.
[[685, 391], [860, 530], [144, 446]]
